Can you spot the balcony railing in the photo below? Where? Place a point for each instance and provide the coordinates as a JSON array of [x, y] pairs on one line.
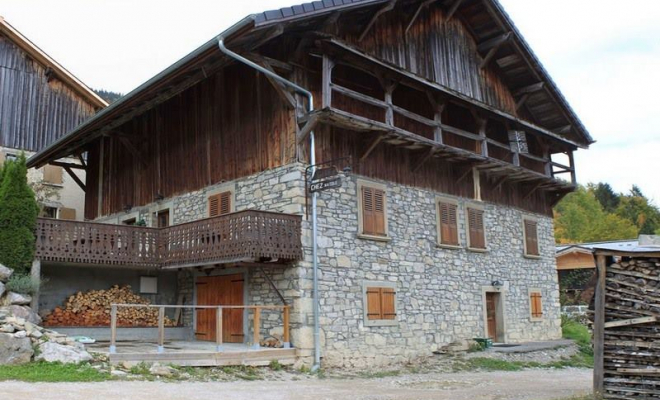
[[243, 236]]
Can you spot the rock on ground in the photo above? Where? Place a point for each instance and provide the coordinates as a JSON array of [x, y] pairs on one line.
[[54, 352], [5, 273], [13, 350], [161, 370], [17, 299], [21, 312]]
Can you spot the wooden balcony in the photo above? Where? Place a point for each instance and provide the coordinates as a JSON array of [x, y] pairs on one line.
[[245, 236]]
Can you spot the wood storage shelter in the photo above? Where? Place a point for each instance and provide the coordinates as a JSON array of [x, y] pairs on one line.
[[627, 320]]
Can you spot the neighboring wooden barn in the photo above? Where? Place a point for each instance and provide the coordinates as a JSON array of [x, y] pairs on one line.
[[627, 321]]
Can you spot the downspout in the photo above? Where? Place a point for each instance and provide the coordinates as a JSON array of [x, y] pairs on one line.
[[312, 159]]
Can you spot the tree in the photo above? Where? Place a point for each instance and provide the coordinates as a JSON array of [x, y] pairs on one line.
[[606, 196], [579, 217], [18, 217]]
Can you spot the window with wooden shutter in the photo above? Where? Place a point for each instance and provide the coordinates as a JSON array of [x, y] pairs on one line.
[[53, 174], [380, 305], [536, 304], [373, 211], [476, 232], [220, 204], [531, 237], [448, 221]]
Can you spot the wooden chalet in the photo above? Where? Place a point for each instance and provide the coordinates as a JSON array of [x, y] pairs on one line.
[[441, 95]]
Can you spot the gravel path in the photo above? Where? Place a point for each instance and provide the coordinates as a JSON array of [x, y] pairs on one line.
[[524, 385]]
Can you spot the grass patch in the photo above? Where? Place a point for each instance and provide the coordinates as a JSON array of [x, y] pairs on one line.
[[380, 374], [493, 364], [572, 329], [52, 372]]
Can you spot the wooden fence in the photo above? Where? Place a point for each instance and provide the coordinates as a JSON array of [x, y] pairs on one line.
[[242, 236]]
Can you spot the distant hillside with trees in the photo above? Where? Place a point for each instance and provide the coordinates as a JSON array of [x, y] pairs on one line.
[[108, 96], [597, 213]]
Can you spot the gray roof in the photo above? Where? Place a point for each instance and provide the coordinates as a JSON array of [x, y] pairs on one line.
[[645, 244], [307, 8]]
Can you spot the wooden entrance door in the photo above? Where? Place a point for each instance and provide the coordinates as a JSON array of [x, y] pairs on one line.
[[491, 314], [225, 290]]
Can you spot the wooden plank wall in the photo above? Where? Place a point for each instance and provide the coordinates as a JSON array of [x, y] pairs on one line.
[[33, 111], [231, 125]]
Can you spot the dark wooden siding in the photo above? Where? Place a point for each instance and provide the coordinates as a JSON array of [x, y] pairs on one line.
[[33, 111], [230, 125]]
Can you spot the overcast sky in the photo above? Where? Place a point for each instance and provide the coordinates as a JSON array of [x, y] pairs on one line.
[[603, 54]]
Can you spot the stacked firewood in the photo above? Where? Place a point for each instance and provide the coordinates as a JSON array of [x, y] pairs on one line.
[[632, 329], [93, 309]]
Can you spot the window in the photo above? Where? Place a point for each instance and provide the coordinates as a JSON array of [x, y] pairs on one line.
[[11, 157], [49, 212], [531, 241], [476, 233], [163, 218], [130, 221], [535, 305], [372, 211], [67, 213], [448, 223], [379, 304], [220, 204], [53, 174]]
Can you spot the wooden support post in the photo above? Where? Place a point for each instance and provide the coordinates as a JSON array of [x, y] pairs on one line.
[[548, 162], [257, 324], [571, 163], [132, 149], [113, 329], [422, 6], [453, 9], [599, 327], [218, 329], [326, 100], [161, 329], [423, 160], [438, 108], [285, 335], [75, 178], [389, 111], [101, 161], [35, 274], [493, 45], [372, 147], [287, 98], [483, 123]]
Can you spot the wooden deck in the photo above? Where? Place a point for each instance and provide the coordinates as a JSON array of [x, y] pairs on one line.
[[195, 354]]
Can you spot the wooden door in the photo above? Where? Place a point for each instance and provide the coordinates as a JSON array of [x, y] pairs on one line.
[[226, 290], [491, 314]]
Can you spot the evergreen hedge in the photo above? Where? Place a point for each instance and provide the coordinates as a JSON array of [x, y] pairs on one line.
[[18, 217]]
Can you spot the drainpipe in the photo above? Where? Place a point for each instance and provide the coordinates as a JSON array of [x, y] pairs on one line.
[[312, 159]]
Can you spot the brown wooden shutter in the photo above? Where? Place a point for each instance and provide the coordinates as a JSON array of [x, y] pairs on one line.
[[448, 224], [476, 228], [220, 204], [373, 211], [531, 238], [388, 303], [67, 213], [373, 304], [536, 304], [53, 174]]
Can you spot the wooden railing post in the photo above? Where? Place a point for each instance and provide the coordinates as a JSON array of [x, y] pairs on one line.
[[218, 329], [161, 329], [113, 329], [286, 343], [257, 334]]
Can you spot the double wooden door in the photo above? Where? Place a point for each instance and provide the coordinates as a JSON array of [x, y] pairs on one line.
[[225, 290]]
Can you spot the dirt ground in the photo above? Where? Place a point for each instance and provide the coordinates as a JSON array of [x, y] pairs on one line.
[[534, 384]]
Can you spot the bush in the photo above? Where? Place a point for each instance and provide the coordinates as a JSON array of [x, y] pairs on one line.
[[24, 284], [18, 217]]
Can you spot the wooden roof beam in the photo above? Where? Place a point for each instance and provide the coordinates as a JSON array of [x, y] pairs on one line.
[[67, 165], [388, 7], [286, 96], [312, 122], [75, 177], [452, 10], [423, 160], [493, 46], [533, 88], [534, 189], [421, 7], [372, 147], [134, 151]]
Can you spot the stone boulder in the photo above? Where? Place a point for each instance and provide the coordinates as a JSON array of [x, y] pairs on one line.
[[5, 273], [17, 299], [14, 351], [56, 352], [161, 370], [21, 312]]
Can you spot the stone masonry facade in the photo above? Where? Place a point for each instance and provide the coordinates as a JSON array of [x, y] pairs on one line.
[[440, 296]]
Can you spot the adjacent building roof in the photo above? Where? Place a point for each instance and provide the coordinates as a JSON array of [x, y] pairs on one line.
[[41, 57], [645, 244]]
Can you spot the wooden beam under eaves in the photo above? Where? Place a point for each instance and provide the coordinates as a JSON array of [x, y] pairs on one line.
[[134, 151], [500, 182], [419, 10], [534, 189], [330, 24], [492, 46], [75, 177], [529, 89], [453, 9], [372, 147], [67, 165], [286, 96], [307, 129], [388, 7], [424, 159]]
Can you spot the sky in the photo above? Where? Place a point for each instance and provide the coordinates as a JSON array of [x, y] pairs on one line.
[[603, 54]]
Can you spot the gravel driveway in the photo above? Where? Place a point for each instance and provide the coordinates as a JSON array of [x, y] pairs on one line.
[[523, 385]]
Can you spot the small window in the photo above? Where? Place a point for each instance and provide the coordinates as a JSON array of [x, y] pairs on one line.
[[11, 157], [163, 218], [67, 213], [372, 211], [130, 221], [49, 212], [53, 174], [448, 223], [531, 237], [535, 305], [476, 232], [380, 304], [220, 204]]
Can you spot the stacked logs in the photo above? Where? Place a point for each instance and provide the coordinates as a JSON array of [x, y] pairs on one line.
[[632, 329], [93, 309]]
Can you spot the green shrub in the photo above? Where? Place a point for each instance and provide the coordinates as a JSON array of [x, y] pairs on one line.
[[18, 217], [24, 284]]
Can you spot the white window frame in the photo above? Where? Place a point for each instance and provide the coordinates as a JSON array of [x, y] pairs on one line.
[[447, 200], [361, 183], [529, 301], [365, 307], [524, 235], [476, 206]]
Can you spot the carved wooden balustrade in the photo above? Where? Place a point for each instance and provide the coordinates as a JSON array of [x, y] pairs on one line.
[[243, 236]]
